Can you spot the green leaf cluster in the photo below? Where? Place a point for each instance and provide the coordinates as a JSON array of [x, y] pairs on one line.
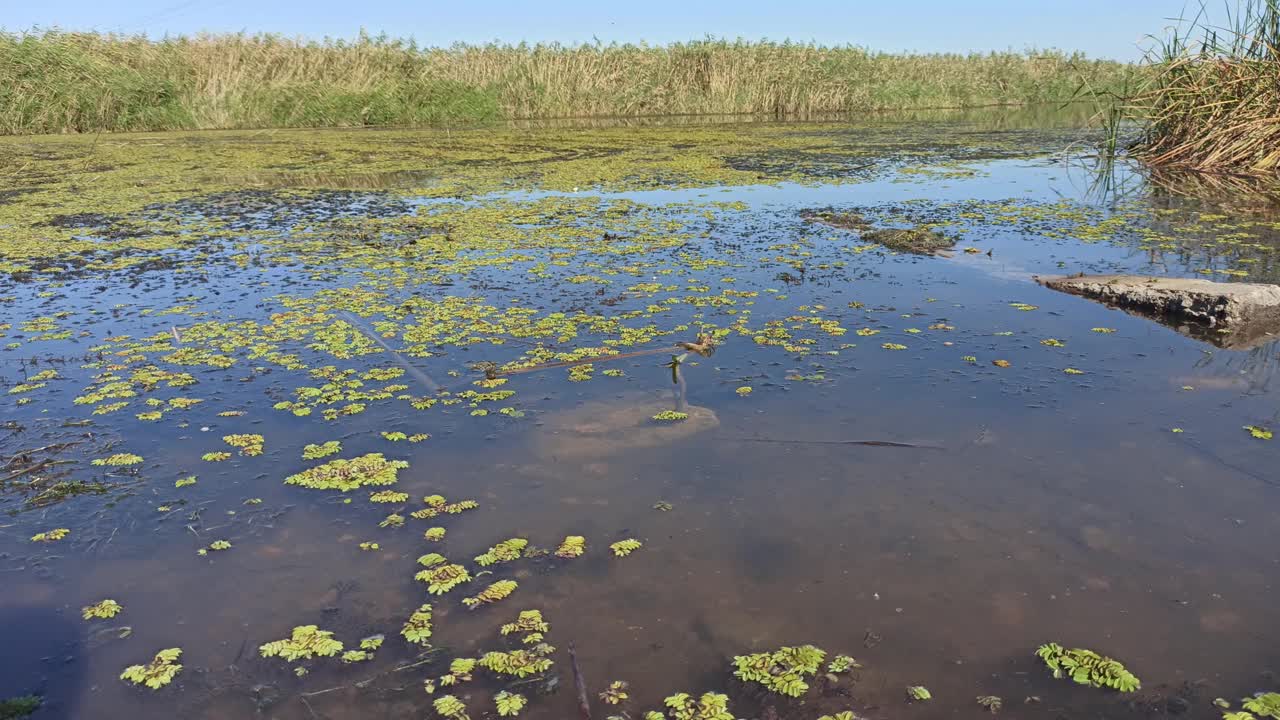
[[842, 664], [623, 548], [529, 621], [443, 578], [491, 594], [517, 663], [306, 642], [157, 673], [450, 707], [417, 629], [572, 547], [1087, 667], [918, 693], [347, 475], [505, 551], [711, 706], [314, 452], [781, 671], [104, 610], [509, 704]]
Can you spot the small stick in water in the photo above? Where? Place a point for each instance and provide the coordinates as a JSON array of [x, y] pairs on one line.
[[584, 706]]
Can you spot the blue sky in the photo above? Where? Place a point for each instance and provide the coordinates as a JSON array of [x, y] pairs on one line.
[[1102, 28]]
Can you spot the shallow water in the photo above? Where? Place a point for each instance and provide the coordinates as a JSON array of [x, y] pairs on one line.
[[1038, 505]]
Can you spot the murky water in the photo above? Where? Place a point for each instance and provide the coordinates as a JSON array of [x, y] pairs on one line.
[[1119, 506]]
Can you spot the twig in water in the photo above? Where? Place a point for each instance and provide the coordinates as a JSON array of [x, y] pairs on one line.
[[580, 685]]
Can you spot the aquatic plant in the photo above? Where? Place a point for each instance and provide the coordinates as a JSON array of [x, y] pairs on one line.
[[185, 482], [505, 551], [394, 436], [118, 460], [434, 534], [1087, 668], [459, 507], [443, 578], [623, 548], [348, 475], [663, 506], [157, 673], [781, 671], [1103, 330], [893, 346], [1072, 371], [53, 535], [355, 656], [450, 707], [1260, 433], [312, 451], [495, 592], [249, 445], [744, 391], [671, 416], [572, 547], [991, 702], [104, 609], [1265, 705], [431, 560], [517, 663], [529, 622], [842, 664], [306, 642], [918, 693], [20, 708], [215, 456], [616, 693], [388, 496], [220, 545], [369, 546], [417, 629], [509, 704], [1053, 342], [711, 706]]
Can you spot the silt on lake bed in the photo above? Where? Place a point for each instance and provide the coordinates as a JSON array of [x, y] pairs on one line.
[[342, 448]]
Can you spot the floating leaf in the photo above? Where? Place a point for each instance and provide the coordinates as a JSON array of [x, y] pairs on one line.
[[53, 535], [1260, 433], [623, 548], [156, 674], [306, 642], [417, 629], [572, 547], [104, 610]]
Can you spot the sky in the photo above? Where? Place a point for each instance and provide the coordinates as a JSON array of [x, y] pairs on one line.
[[1100, 28]]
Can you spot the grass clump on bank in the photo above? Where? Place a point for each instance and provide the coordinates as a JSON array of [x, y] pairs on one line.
[[1213, 102], [54, 81]]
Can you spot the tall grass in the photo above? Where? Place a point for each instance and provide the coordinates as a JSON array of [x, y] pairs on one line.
[[1213, 102], [77, 82]]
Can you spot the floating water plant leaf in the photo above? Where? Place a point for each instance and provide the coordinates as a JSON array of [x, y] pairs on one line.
[[373, 642], [53, 535], [505, 551], [119, 459], [1087, 668], [443, 578], [347, 475], [220, 545], [157, 673], [893, 346], [185, 482], [529, 621], [744, 391], [572, 547], [355, 656], [918, 693], [434, 534], [711, 706], [249, 445], [1263, 705], [867, 332], [509, 704], [491, 594], [671, 416], [394, 520], [991, 702], [215, 456], [419, 437], [1001, 363], [1104, 330], [368, 546], [842, 715], [460, 507], [431, 560], [315, 452], [104, 610], [307, 641], [517, 663], [616, 693], [1072, 371], [1260, 433], [450, 707], [623, 548], [394, 436], [781, 671], [842, 664], [1053, 342], [1023, 306], [663, 506], [417, 629], [20, 708], [388, 496]]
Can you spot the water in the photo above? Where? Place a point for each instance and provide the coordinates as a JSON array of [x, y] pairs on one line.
[[1037, 506]]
